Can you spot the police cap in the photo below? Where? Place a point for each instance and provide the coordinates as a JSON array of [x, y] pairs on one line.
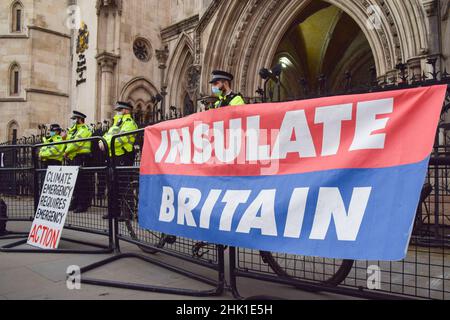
[[221, 75], [55, 127], [78, 115], [123, 105]]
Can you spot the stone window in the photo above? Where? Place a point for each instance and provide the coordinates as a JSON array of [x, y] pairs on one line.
[[13, 129], [17, 17], [142, 49], [14, 80]]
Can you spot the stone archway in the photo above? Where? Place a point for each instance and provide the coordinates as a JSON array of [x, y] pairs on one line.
[[322, 46], [12, 131], [141, 93], [180, 66], [253, 30]]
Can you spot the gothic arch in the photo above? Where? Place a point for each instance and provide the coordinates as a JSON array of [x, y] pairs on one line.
[[177, 74], [227, 35], [12, 129], [16, 22], [14, 79], [140, 92], [252, 42]]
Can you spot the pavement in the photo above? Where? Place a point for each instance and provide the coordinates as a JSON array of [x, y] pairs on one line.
[[41, 276]]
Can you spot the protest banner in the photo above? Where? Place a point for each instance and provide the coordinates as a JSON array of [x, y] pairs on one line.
[[336, 177], [48, 223]]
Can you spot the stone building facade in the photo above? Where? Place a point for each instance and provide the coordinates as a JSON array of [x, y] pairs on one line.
[[34, 65], [56, 56]]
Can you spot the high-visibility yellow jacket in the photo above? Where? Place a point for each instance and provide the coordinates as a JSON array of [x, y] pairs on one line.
[[229, 100], [125, 144], [52, 152], [77, 132]]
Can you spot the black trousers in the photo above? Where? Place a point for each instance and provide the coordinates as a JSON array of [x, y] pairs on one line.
[[126, 160], [127, 200], [82, 195]]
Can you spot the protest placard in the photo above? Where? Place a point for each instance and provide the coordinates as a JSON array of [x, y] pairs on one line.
[[57, 190]]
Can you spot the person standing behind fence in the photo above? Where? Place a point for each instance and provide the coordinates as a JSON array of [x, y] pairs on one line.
[[52, 155], [78, 154], [221, 88], [124, 152], [123, 146]]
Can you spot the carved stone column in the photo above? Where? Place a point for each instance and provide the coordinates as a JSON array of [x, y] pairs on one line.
[[106, 63], [415, 68], [193, 83], [431, 10], [109, 14], [445, 8], [162, 56]]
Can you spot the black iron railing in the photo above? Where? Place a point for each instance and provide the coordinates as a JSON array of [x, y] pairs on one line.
[[115, 190]]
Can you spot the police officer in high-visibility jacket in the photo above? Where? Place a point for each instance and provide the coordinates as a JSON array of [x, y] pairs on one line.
[[78, 154], [52, 155], [124, 152], [221, 88]]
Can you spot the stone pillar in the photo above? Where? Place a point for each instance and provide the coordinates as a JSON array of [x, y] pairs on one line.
[[162, 56], [106, 64], [432, 12], [109, 14], [193, 83], [415, 68]]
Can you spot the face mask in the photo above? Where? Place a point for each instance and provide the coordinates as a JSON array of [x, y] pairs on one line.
[[119, 114], [52, 133], [74, 122], [216, 91]]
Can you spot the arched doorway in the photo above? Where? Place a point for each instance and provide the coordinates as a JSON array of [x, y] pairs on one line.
[[141, 93], [255, 30], [322, 45], [180, 73]]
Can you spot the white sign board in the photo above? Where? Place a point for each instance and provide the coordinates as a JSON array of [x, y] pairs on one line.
[[53, 207]]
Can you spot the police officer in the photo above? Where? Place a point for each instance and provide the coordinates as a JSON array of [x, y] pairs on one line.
[[52, 155], [78, 154], [123, 146], [124, 152], [221, 88]]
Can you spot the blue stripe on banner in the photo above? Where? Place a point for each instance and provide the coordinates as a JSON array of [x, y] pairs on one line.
[[361, 214]]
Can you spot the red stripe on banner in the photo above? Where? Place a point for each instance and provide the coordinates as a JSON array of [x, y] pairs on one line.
[[337, 134]]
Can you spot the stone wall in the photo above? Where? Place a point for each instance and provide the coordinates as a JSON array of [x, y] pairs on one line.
[[42, 50]]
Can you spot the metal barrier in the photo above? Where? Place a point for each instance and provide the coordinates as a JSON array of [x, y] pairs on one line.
[[22, 178], [425, 273], [16, 185], [125, 189]]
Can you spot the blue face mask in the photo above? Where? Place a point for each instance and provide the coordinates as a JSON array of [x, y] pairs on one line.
[[216, 91], [52, 133]]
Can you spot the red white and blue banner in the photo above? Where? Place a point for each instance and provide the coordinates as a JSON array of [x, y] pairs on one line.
[[336, 177]]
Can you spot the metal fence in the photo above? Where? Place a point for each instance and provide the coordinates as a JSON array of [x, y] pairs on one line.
[[425, 273], [113, 190], [21, 178], [126, 225]]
